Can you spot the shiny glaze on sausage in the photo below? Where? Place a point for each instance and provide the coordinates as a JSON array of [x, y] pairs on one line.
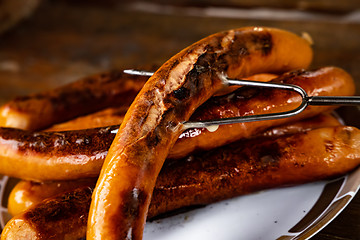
[[245, 101], [27, 193], [115, 115], [239, 168], [41, 110], [84, 96], [54, 155], [61, 154], [325, 81], [154, 120]]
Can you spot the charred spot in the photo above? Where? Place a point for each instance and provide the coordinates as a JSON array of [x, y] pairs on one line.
[[133, 201], [270, 154], [193, 76], [58, 210], [153, 139], [238, 48], [222, 63], [85, 142], [202, 66], [205, 62], [181, 93], [329, 146], [264, 41]]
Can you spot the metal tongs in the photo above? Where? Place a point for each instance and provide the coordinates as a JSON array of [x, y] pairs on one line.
[[306, 101]]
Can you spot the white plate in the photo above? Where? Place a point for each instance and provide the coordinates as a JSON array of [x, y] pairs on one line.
[[286, 213]]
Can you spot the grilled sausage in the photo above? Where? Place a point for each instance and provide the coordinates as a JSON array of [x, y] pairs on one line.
[[88, 95], [154, 120], [54, 155], [236, 169], [115, 115], [325, 81], [58, 155], [27, 193]]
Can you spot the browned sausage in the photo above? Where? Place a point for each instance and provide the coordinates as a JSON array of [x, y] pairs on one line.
[[232, 170], [154, 120], [88, 95], [115, 115], [325, 81], [27, 193], [79, 154]]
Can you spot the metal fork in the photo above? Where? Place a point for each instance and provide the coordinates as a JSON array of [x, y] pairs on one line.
[[306, 101]]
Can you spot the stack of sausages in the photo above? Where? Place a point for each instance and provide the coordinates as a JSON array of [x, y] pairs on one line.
[[81, 177]]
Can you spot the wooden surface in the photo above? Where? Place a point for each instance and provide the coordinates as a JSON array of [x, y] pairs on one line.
[[333, 6], [63, 42]]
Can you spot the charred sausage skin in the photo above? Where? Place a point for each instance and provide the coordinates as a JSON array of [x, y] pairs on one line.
[[236, 169], [59, 155], [54, 156], [154, 120], [41, 110], [327, 81], [253, 165], [28, 193], [115, 115]]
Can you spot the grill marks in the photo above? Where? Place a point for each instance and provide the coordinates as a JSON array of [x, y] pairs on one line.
[[265, 41], [89, 142], [221, 173], [83, 91], [75, 99], [70, 209], [270, 154], [181, 93], [84, 142], [203, 70]]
